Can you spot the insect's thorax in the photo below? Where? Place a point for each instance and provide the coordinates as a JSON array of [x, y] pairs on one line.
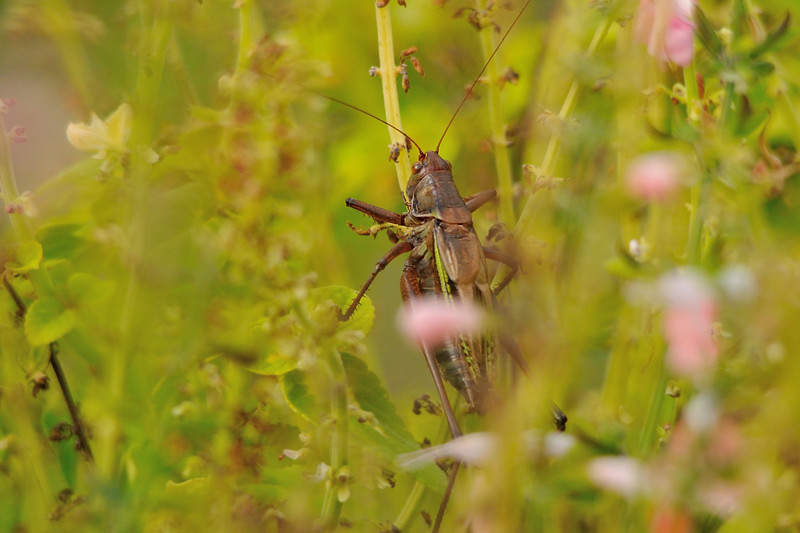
[[432, 192]]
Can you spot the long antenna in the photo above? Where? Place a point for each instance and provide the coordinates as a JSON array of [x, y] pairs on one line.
[[351, 106], [478, 77]]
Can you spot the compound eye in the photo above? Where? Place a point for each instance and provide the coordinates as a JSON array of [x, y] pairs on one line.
[[417, 167]]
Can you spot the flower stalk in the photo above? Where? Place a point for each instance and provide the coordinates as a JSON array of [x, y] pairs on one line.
[[554, 145], [502, 158], [391, 104]]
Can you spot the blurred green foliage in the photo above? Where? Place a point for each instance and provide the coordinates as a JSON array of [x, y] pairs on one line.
[[188, 275]]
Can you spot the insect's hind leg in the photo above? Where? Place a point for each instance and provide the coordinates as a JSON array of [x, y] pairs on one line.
[[409, 287], [477, 200], [500, 257]]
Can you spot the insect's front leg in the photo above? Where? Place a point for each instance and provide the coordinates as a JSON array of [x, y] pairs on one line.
[[378, 214]]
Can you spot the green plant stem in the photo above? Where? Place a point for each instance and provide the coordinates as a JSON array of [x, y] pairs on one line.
[[245, 35], [10, 191], [554, 145], [153, 55], [61, 23], [331, 506], [725, 119], [658, 392], [787, 110], [391, 105], [693, 104], [410, 507], [699, 206], [502, 158]]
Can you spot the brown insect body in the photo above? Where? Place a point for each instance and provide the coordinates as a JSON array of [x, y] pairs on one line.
[[446, 259]]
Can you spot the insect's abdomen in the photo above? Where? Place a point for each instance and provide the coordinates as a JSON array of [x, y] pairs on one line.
[[454, 369], [420, 279]]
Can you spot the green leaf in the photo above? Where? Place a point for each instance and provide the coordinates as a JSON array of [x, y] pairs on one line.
[[59, 240], [273, 365], [28, 257], [297, 395], [708, 34], [89, 288], [47, 321], [390, 436], [773, 39], [364, 315]]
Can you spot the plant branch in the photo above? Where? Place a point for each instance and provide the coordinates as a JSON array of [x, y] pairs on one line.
[[391, 105], [570, 101], [332, 506], [502, 159], [80, 431], [60, 377]]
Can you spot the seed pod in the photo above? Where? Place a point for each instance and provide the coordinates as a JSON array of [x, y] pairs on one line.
[[417, 66], [408, 51]]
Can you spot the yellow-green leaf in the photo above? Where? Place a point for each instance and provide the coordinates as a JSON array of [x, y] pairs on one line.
[[298, 396], [89, 288], [28, 257], [364, 315], [273, 365], [47, 321]]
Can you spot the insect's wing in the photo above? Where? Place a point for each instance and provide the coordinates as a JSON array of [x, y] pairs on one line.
[[461, 257], [462, 268]]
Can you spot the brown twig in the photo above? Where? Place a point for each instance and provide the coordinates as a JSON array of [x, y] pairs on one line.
[[83, 441]]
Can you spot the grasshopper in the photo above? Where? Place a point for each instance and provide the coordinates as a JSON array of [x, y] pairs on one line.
[[445, 260]]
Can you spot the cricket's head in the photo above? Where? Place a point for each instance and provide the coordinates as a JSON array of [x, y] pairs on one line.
[[431, 162], [427, 163], [432, 193]]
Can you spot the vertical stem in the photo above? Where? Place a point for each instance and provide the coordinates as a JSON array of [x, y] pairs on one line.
[[331, 506], [9, 189], [60, 19], [693, 105], [409, 510], [554, 145], [499, 141], [152, 58], [727, 108], [391, 104], [245, 35], [648, 434], [699, 206]]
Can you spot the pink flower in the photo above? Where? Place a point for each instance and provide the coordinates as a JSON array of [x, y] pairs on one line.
[[669, 520], [654, 177], [478, 448], [667, 27], [431, 321], [623, 475], [689, 324]]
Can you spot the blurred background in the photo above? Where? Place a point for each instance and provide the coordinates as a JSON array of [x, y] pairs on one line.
[[214, 258]]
